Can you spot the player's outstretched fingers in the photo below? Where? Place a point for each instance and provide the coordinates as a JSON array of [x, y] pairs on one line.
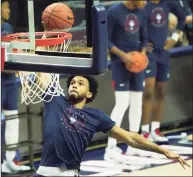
[[183, 162]]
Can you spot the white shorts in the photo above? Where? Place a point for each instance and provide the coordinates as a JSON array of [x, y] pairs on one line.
[[56, 171]]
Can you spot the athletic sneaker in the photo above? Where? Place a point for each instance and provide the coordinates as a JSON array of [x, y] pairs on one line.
[[131, 151], [137, 152], [113, 155], [11, 167], [157, 136], [147, 135]]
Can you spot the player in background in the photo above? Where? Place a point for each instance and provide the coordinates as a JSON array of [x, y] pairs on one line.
[[9, 100], [173, 21], [157, 72], [69, 127], [126, 33]]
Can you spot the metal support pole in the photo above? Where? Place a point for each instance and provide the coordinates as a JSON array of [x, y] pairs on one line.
[[30, 137]]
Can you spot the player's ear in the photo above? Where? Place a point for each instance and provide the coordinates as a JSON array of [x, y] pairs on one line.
[[89, 95]]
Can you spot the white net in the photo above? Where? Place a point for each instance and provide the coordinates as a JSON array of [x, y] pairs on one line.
[[38, 87]]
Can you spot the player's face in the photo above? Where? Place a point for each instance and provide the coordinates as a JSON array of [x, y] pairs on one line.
[[173, 21], [155, 1], [5, 11], [140, 4], [79, 89], [136, 4]]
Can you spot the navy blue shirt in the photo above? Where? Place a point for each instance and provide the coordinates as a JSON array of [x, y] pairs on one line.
[[127, 28], [7, 78], [68, 132], [158, 21]]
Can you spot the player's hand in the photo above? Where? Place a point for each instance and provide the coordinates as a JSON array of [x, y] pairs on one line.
[[126, 58], [169, 44], [150, 47], [147, 58], [174, 156]]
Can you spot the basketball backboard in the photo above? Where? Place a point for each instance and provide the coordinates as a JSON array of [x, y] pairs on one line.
[[87, 48]]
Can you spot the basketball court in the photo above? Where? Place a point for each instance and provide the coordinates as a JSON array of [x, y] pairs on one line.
[[77, 44], [156, 165]]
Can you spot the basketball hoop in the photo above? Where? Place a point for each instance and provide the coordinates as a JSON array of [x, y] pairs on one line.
[[32, 91]]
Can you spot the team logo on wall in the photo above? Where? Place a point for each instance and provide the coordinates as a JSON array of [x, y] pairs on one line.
[[158, 17], [132, 23], [73, 120]]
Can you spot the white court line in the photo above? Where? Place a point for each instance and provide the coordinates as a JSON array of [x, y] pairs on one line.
[[106, 173], [98, 169], [179, 149], [136, 160], [105, 165]]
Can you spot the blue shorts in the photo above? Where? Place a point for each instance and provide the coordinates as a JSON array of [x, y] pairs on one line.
[[157, 69], [123, 80], [9, 96]]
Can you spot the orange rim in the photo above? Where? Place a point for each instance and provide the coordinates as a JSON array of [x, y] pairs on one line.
[[52, 38]]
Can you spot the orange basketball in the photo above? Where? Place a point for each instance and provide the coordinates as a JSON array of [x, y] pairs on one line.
[[140, 62], [57, 16]]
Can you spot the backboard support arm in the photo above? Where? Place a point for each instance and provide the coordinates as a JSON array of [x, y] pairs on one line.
[[31, 43]]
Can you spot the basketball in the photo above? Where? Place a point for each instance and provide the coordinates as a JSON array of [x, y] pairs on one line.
[[140, 62], [57, 16]]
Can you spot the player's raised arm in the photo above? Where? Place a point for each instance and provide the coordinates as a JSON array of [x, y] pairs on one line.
[[45, 80], [189, 19], [137, 141]]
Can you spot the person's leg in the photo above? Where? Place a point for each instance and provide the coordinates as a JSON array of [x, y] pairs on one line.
[[10, 110], [120, 77], [135, 105], [121, 105], [3, 93], [121, 90], [148, 97], [158, 109], [159, 101], [2, 137]]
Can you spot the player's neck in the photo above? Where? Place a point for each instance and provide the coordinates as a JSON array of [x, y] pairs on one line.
[[129, 5], [79, 105], [155, 1]]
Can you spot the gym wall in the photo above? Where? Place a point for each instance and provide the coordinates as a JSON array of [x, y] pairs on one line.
[[178, 104]]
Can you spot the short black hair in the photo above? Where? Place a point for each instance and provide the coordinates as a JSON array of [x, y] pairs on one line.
[[93, 86]]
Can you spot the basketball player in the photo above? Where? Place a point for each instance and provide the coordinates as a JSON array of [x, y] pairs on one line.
[[157, 72], [126, 33], [69, 127], [9, 99], [172, 24], [173, 21]]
